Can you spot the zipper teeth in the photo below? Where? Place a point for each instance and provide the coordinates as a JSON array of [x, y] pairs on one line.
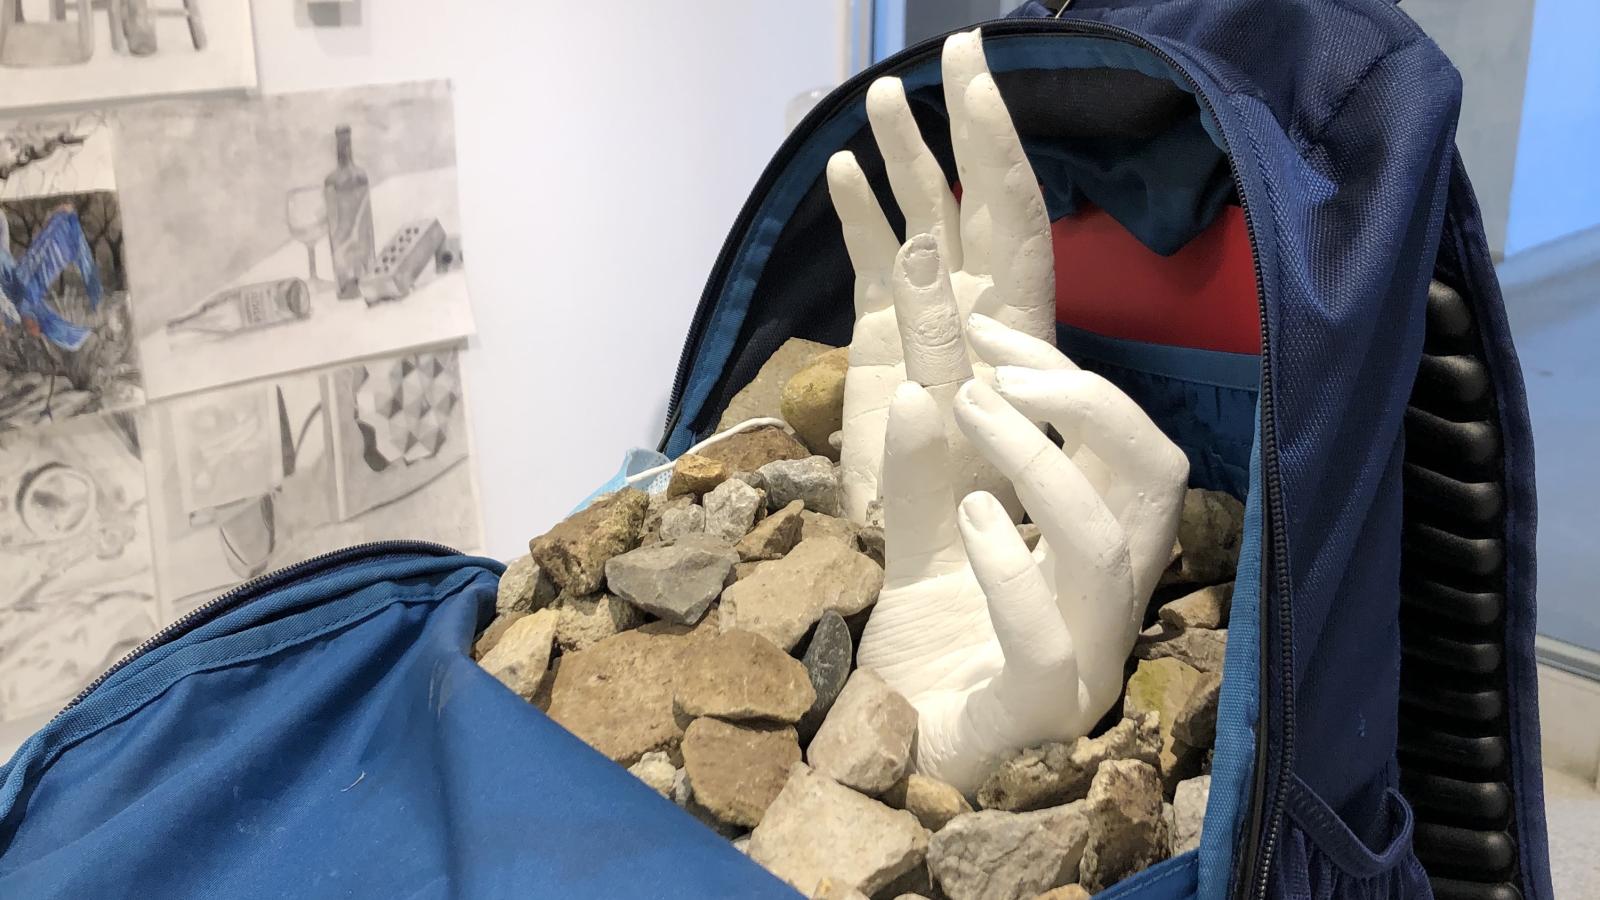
[[194, 617], [1271, 817]]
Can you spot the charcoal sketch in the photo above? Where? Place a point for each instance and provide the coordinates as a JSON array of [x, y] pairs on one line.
[[66, 336], [55, 52], [252, 477], [74, 557], [291, 232]]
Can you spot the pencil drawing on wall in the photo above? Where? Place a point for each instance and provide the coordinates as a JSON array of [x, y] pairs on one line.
[[66, 338], [56, 52], [74, 557], [337, 235], [256, 476]]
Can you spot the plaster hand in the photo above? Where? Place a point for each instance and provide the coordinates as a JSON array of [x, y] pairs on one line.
[[996, 647], [995, 244]]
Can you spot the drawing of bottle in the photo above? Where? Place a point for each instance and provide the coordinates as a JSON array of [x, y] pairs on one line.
[[349, 202], [248, 308]]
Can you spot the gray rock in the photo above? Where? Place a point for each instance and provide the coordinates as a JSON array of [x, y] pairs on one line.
[[828, 660], [524, 588], [754, 479], [816, 526], [933, 802], [1058, 773], [1127, 831], [1203, 648], [812, 480], [818, 828], [676, 582], [492, 634], [1030, 535], [1189, 813], [1205, 608], [693, 475], [776, 535], [1210, 532], [865, 742], [679, 522], [738, 770], [994, 855], [584, 621], [521, 658], [682, 792], [617, 696], [655, 511], [783, 598], [743, 676], [731, 509], [763, 396], [656, 770], [1196, 721], [574, 553]]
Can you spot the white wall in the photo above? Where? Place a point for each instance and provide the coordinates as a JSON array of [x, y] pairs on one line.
[[603, 155], [1557, 189]]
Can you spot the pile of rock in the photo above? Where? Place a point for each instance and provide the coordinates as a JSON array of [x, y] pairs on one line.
[[704, 638]]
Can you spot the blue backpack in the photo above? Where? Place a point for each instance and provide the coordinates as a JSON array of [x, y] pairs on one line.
[[323, 731]]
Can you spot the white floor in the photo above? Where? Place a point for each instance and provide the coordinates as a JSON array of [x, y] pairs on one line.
[[1572, 808]]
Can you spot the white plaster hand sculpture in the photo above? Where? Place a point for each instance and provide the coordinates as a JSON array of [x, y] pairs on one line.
[[996, 243], [996, 647]]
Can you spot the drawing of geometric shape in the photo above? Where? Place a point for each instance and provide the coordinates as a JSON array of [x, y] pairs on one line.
[[414, 395]]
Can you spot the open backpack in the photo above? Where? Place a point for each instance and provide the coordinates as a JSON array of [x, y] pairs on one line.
[[1264, 235]]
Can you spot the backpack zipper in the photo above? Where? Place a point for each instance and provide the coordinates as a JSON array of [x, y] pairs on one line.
[[1261, 840], [243, 593]]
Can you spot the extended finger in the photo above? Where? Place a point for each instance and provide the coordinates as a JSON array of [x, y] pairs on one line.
[[918, 505], [1070, 514], [868, 238], [1021, 257], [1033, 638], [925, 311], [1147, 470], [914, 174], [1000, 345], [962, 60]]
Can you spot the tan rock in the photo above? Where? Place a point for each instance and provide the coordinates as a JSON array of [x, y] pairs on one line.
[[818, 828], [749, 450], [1056, 773], [1210, 532], [1065, 892], [1203, 648], [492, 634], [1163, 686], [617, 695], [994, 855], [1196, 720], [582, 622], [834, 889], [783, 598], [815, 525], [763, 396], [1127, 825], [693, 475], [933, 802], [776, 535], [865, 742], [1205, 608], [740, 675], [575, 551], [738, 770], [520, 659], [813, 400]]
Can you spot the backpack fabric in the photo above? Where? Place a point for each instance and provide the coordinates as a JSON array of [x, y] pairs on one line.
[[324, 731]]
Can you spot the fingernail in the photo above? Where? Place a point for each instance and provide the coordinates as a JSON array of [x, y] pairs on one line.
[[887, 88], [920, 256], [983, 512]]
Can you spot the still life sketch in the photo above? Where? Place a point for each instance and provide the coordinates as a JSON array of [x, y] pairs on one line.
[[338, 236], [73, 51], [66, 336], [253, 477], [74, 559]]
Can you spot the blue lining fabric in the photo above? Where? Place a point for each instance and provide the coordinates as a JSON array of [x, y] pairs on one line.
[[1204, 400], [807, 166]]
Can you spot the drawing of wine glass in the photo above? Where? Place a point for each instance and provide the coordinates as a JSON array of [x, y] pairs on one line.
[[307, 215]]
